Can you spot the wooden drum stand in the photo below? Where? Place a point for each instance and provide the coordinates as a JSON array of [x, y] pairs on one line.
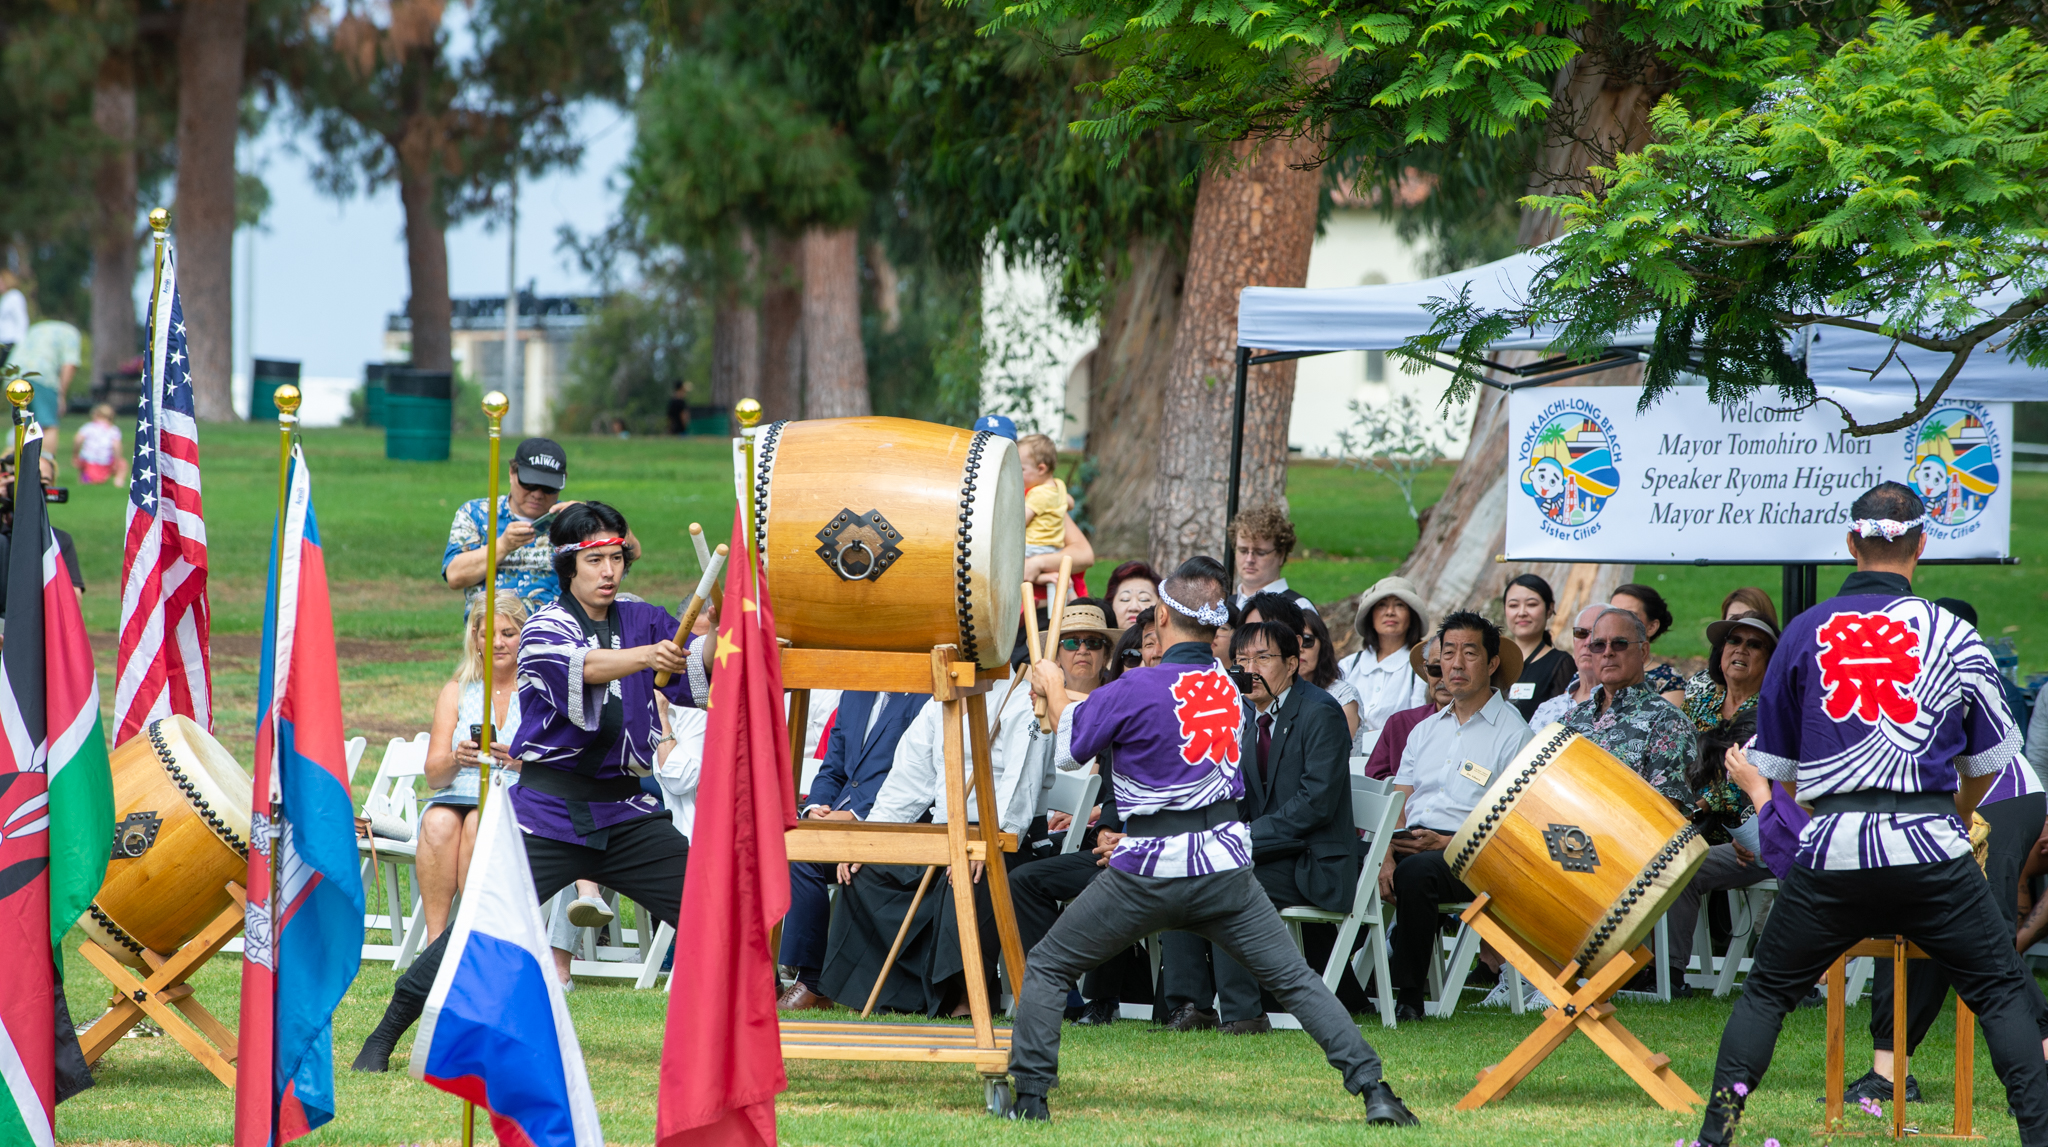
[[960, 687], [1898, 951], [166, 989], [1584, 1009]]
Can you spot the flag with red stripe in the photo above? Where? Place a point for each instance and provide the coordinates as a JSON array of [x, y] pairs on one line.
[[163, 666], [303, 936], [56, 819]]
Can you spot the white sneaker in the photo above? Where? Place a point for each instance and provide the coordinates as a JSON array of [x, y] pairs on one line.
[[589, 912], [1499, 997]]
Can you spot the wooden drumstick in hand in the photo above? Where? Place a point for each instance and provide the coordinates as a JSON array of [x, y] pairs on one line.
[[1034, 649], [703, 548], [1051, 642], [695, 606]]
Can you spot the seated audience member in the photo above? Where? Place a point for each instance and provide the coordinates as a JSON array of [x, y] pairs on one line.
[[1647, 733], [1528, 604], [1720, 808], [1297, 801], [1389, 622], [1451, 758], [1582, 683], [1319, 668], [1750, 599], [1139, 644], [1385, 759], [1264, 539], [857, 759], [1649, 607], [447, 832], [1132, 589], [874, 898], [1219, 646], [1738, 651]]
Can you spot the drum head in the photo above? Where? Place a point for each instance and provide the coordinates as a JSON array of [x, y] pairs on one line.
[[994, 583], [215, 774]]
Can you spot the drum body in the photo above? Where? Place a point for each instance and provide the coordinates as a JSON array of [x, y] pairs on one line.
[[181, 832], [1578, 853], [891, 535]]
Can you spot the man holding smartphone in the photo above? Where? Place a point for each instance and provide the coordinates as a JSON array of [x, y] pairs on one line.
[[1452, 758], [538, 471]]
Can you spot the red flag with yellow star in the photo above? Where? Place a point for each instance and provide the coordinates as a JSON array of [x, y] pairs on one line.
[[721, 1063]]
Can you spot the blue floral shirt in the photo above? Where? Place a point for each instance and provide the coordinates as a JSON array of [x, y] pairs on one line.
[[528, 571]]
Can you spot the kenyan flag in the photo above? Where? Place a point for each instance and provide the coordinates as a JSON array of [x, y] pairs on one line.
[[56, 820]]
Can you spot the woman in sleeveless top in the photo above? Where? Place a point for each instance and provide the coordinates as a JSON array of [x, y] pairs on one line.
[[447, 830]]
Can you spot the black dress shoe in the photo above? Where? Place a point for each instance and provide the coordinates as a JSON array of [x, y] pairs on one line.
[[1257, 1025], [1030, 1107], [1189, 1018], [1384, 1109], [1407, 1013], [1097, 1013], [1874, 1086]]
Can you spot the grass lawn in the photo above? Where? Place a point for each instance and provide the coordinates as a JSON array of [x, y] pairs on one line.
[[383, 526]]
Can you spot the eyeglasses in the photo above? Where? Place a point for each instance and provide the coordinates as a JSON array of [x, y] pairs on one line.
[[1258, 553], [1580, 634], [1434, 668], [1134, 655], [1756, 643], [1617, 644], [1096, 644], [1308, 639], [1247, 660]]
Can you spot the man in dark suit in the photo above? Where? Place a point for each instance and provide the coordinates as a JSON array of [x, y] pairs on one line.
[[864, 736], [1297, 800]]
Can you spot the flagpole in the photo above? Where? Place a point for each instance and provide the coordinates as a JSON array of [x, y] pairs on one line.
[[287, 403], [747, 412], [20, 393], [495, 405]]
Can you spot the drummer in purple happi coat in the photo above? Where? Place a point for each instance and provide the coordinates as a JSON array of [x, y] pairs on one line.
[[1885, 715]]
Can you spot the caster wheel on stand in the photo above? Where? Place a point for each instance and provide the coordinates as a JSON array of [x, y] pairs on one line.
[[1001, 1096]]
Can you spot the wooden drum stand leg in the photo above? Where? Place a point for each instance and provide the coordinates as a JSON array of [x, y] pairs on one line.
[[166, 989], [1898, 951], [1583, 1009]]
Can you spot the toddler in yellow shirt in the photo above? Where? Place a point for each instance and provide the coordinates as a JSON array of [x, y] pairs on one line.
[[1047, 501]]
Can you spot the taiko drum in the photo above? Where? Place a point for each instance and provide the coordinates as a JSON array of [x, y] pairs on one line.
[[181, 833], [891, 535], [1578, 853]]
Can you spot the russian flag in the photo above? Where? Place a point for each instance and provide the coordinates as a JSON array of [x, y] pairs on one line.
[[301, 947], [496, 1030]]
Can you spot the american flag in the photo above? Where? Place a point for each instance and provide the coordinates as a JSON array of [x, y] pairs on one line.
[[164, 665]]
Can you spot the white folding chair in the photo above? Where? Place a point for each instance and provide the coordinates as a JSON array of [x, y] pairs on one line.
[[353, 753], [1375, 814], [635, 953], [393, 805], [1073, 793], [1747, 908]]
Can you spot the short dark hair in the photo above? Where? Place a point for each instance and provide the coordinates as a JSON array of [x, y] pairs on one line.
[[1470, 622], [1535, 584], [1653, 605], [579, 521], [1130, 646], [1199, 581], [1898, 502], [1325, 673], [1276, 607], [1278, 638]]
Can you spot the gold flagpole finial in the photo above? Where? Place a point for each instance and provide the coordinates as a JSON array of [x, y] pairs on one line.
[[20, 393], [286, 398], [160, 221], [748, 412]]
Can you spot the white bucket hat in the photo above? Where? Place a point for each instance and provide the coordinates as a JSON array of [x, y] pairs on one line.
[[1386, 587]]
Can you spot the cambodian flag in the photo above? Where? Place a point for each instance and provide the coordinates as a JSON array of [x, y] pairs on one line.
[[496, 1030], [302, 944]]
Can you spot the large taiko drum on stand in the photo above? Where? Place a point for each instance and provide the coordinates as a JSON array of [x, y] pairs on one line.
[[181, 833], [891, 535], [1578, 853]]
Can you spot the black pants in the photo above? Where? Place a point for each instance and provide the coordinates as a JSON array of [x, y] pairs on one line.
[[1946, 909], [1038, 889], [2015, 826], [644, 861], [1422, 881], [1194, 970]]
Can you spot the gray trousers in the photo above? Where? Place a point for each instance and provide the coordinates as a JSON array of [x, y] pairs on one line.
[[1720, 872], [1228, 908]]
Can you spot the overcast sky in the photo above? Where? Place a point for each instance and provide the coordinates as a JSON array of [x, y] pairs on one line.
[[328, 273]]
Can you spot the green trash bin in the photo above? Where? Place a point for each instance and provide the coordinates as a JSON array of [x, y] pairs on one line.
[[417, 413], [269, 374], [373, 393], [714, 421]]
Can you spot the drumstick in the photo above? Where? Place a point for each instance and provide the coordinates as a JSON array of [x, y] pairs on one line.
[[695, 607], [1032, 648], [1052, 633], [703, 547]]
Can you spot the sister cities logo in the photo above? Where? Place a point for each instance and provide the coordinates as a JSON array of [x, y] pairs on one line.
[[1207, 706], [1568, 455], [1868, 664]]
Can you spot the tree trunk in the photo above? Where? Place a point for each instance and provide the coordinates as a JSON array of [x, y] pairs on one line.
[[1253, 226], [782, 333], [736, 336], [1125, 372], [210, 39], [426, 261], [835, 360], [114, 232], [1597, 116]]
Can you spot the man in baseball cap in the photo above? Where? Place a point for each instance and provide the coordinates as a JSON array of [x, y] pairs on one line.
[[541, 463], [539, 471]]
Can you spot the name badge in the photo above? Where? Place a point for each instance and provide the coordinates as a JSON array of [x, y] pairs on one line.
[[1472, 771], [1521, 690]]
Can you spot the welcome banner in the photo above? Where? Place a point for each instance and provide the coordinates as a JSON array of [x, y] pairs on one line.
[[1590, 479]]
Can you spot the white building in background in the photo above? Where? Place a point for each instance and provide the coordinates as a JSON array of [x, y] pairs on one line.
[[547, 326], [1036, 366]]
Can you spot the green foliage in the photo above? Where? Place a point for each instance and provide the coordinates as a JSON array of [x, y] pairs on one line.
[[1890, 189], [929, 367], [638, 346]]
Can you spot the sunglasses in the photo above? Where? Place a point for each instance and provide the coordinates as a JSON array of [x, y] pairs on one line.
[[1618, 644], [1433, 668], [1756, 643], [1580, 633], [1097, 644]]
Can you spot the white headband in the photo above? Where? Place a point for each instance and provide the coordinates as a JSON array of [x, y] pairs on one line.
[[1884, 528], [1216, 614]]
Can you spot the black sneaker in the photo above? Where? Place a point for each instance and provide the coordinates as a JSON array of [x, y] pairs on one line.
[[1877, 1087], [1030, 1107], [1384, 1109]]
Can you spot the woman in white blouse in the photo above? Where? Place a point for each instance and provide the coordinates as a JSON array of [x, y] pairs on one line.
[[1390, 620]]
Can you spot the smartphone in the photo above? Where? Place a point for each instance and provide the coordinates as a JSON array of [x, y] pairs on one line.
[[476, 735], [542, 524]]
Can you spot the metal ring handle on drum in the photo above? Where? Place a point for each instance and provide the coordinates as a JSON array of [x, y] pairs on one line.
[[1619, 910], [192, 796], [1506, 801], [839, 561]]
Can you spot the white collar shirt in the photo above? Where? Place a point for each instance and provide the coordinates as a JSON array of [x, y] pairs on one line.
[[1386, 685], [1450, 765]]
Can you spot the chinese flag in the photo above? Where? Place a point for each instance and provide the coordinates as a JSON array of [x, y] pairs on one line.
[[721, 1063]]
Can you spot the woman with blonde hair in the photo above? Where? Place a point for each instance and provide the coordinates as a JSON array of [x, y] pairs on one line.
[[447, 830]]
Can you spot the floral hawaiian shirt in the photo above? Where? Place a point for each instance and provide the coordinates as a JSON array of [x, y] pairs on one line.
[[1649, 734]]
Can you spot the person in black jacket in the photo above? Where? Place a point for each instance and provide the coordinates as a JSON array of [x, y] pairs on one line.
[[1305, 849]]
